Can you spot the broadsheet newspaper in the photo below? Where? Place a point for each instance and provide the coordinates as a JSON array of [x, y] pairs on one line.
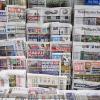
[[12, 78], [48, 81], [15, 13], [38, 32], [44, 66], [38, 50], [87, 15], [86, 48], [43, 14]]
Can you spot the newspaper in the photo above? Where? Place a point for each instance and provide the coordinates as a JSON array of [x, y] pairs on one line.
[[65, 62], [35, 15], [86, 51], [15, 30], [40, 15], [60, 47], [87, 15], [85, 85], [44, 66], [88, 77], [86, 30], [18, 93], [3, 34], [36, 3], [3, 16], [12, 78], [38, 32], [58, 14], [40, 80], [15, 13], [14, 47], [86, 67], [57, 3], [60, 38], [38, 50], [60, 28]]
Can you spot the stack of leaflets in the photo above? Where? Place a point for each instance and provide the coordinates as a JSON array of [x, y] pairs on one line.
[[86, 48]]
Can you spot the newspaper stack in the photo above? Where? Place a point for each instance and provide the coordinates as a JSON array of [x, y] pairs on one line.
[[12, 47], [39, 93], [48, 44], [86, 48]]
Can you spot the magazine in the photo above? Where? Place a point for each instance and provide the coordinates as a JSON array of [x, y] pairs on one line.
[[38, 50], [46, 81], [44, 66], [15, 13]]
